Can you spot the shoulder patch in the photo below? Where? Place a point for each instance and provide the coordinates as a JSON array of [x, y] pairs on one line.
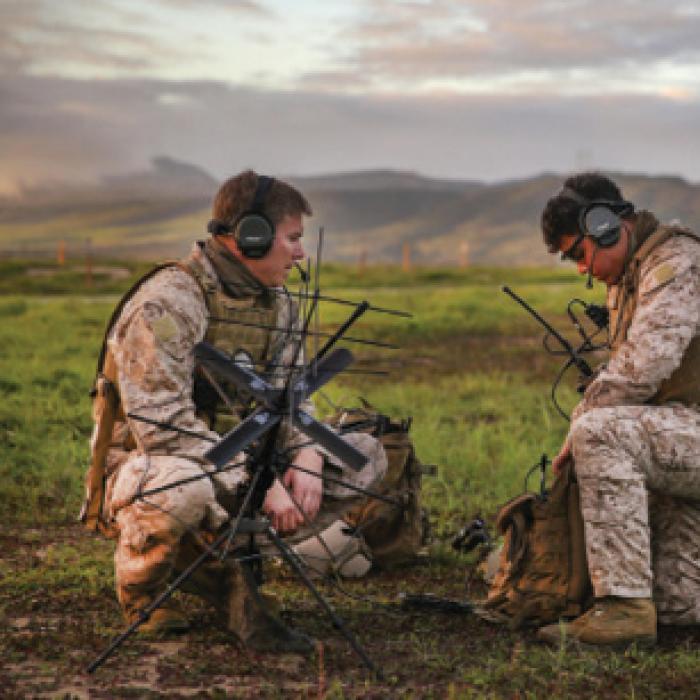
[[664, 273], [165, 328]]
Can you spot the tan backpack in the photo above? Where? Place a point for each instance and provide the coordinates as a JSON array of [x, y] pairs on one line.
[[543, 573], [394, 533]]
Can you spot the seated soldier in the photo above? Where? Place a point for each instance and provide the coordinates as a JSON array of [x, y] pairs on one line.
[[635, 435], [229, 292]]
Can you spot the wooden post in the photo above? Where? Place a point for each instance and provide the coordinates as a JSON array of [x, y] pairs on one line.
[[464, 254], [61, 254], [88, 263], [362, 261], [406, 257]]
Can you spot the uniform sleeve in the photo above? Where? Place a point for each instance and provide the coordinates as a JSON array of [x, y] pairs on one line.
[[666, 319], [152, 344]]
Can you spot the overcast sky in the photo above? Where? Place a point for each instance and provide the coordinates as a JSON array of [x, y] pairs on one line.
[[478, 89]]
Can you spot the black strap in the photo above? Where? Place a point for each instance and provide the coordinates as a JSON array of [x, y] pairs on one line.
[[264, 185]]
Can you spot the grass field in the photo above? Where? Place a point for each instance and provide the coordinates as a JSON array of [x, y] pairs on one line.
[[471, 372]]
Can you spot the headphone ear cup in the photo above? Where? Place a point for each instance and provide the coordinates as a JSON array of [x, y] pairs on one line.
[[602, 224], [254, 235]]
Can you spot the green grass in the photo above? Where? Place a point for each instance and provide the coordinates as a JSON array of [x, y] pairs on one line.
[[47, 351], [472, 419], [472, 375]]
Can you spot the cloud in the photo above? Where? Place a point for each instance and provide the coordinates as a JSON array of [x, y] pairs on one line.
[[47, 38], [233, 6], [62, 129], [387, 47], [106, 38], [408, 44]]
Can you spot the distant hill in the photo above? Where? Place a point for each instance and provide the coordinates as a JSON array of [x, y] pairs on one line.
[[158, 212]]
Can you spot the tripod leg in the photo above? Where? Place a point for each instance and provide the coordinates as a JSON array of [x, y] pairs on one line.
[[145, 614], [298, 569], [209, 552]]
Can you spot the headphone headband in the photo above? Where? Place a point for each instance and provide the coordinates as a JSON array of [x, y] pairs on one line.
[[620, 206], [264, 185]]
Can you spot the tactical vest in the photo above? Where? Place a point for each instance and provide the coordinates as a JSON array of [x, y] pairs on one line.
[[684, 384], [242, 326]]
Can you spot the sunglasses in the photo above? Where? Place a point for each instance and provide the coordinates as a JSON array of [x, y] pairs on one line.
[[574, 252]]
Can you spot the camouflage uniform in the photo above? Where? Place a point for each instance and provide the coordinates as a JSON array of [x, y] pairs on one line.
[[638, 465], [152, 345]]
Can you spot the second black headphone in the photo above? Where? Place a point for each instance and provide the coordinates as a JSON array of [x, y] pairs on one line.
[[599, 218], [253, 231]]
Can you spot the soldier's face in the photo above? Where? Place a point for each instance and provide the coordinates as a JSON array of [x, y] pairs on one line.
[[274, 268], [605, 264]]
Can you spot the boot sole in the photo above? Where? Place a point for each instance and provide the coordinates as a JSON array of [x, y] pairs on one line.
[[571, 643], [640, 642]]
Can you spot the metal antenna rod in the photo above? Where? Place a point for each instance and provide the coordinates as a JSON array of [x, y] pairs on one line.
[[361, 341], [335, 337], [580, 363], [292, 560]]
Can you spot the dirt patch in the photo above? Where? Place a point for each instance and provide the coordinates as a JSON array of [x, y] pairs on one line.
[[49, 636], [462, 353]]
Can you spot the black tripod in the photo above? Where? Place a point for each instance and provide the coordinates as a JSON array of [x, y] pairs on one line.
[[242, 524]]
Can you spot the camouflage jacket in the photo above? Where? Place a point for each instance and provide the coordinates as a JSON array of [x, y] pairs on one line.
[[152, 345], [666, 319]]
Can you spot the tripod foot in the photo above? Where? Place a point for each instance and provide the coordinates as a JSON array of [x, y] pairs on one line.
[[280, 640]]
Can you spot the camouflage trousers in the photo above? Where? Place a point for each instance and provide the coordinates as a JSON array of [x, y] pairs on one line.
[[638, 469], [160, 534]]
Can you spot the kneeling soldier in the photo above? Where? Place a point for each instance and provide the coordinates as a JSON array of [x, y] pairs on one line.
[[635, 435], [228, 291]]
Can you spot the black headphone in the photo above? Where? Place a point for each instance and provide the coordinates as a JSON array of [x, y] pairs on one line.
[[599, 218], [253, 231]]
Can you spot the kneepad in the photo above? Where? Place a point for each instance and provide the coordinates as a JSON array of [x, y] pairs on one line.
[[341, 551]]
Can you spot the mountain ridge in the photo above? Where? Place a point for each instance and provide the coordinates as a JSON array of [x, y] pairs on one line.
[[373, 215]]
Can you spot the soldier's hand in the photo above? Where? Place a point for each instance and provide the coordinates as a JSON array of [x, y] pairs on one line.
[[561, 459], [306, 488], [278, 506]]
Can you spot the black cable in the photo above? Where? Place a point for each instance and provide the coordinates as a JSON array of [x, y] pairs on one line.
[[241, 286], [303, 333]]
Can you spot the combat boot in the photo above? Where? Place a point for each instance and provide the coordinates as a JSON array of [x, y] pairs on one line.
[[611, 622], [251, 619], [164, 619], [168, 618]]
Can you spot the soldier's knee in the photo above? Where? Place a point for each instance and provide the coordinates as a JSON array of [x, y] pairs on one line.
[[590, 428], [594, 438]]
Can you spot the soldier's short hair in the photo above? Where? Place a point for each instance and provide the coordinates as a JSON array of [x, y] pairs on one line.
[[560, 216], [236, 195]]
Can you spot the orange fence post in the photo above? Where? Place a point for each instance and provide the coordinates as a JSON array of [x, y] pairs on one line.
[[464, 254], [406, 257]]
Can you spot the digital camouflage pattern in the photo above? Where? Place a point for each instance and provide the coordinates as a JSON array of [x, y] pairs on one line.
[[676, 559], [666, 319], [625, 448], [152, 343]]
